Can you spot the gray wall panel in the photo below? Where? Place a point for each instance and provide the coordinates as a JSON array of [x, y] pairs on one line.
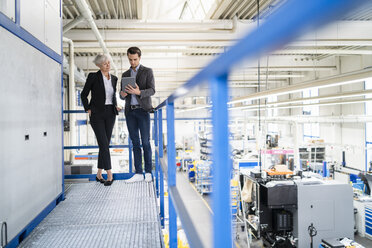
[[30, 104]]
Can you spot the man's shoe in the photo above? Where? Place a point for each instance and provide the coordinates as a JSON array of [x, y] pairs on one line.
[[148, 177], [135, 178], [108, 183]]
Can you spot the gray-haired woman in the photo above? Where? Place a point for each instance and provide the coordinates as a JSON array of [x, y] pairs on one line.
[[102, 110]]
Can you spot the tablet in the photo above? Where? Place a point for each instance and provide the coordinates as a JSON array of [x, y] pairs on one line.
[[128, 80]]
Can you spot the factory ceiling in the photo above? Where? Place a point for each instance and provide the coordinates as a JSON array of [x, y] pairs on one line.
[[179, 37]]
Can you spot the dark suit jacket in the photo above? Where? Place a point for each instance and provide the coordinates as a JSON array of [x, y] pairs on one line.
[[95, 85], [146, 83]]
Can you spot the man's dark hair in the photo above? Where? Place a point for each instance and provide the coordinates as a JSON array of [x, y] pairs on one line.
[[134, 50]]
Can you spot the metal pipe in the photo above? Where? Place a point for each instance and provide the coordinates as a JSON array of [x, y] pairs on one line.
[[71, 94], [226, 25], [72, 24], [87, 14]]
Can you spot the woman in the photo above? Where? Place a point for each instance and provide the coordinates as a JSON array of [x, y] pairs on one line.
[[102, 110]]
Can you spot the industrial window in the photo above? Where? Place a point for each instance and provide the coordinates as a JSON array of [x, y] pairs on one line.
[[310, 130]]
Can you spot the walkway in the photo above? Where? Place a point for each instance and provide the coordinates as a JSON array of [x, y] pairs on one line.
[[122, 215]]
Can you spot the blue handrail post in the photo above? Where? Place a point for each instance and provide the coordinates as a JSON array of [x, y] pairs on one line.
[[161, 197], [156, 154], [160, 136], [221, 163], [160, 133], [324, 168], [171, 154], [130, 155]]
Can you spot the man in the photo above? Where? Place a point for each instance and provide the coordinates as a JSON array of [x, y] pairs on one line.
[[137, 107]]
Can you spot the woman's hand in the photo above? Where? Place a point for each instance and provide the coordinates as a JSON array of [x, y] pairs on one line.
[[89, 112], [123, 94], [118, 108]]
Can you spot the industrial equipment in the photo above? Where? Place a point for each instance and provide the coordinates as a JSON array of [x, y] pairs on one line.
[[290, 211]]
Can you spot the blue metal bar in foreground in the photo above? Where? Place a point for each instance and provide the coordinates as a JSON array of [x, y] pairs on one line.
[[171, 153], [161, 178], [291, 20], [155, 132], [221, 163]]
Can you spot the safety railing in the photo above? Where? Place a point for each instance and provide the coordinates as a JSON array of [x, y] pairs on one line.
[[78, 147], [129, 146], [291, 20]]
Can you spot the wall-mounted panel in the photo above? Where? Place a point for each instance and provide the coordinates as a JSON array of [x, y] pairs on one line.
[[30, 132], [52, 34], [55, 4], [7, 7], [32, 17]]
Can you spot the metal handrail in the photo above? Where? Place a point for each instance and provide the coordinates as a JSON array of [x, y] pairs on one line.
[[4, 232], [292, 19]]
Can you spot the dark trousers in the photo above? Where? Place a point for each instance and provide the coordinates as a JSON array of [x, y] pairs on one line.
[[138, 122], [102, 124]]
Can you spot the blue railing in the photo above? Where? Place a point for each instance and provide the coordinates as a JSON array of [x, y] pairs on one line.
[[78, 147], [291, 20]]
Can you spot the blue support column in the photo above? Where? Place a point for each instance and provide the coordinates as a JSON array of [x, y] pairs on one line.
[[130, 155], [156, 153], [160, 134], [156, 128], [324, 168], [161, 197], [171, 154], [221, 164]]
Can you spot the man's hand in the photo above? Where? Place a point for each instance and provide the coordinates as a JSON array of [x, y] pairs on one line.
[[130, 90], [89, 112], [123, 94]]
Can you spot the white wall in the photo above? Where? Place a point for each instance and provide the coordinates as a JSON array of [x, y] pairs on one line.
[[7, 7], [30, 104], [42, 19]]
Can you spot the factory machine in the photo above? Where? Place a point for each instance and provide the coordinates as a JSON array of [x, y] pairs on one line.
[[294, 211]]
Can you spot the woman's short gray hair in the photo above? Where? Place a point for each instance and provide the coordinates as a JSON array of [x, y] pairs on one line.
[[100, 59]]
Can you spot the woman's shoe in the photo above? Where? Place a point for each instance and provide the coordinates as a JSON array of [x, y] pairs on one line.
[[108, 183], [100, 180]]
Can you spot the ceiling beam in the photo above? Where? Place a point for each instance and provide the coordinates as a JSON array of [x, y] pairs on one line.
[[139, 9], [208, 50]]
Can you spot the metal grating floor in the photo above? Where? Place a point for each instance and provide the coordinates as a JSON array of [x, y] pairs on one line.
[[122, 215]]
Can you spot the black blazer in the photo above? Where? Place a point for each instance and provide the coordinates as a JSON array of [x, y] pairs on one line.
[[146, 83], [95, 85]]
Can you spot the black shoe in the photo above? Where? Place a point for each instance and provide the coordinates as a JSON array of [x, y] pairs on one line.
[[100, 180], [108, 183]]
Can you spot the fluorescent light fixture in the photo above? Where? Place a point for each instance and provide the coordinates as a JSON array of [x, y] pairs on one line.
[[342, 79], [311, 104], [317, 98]]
